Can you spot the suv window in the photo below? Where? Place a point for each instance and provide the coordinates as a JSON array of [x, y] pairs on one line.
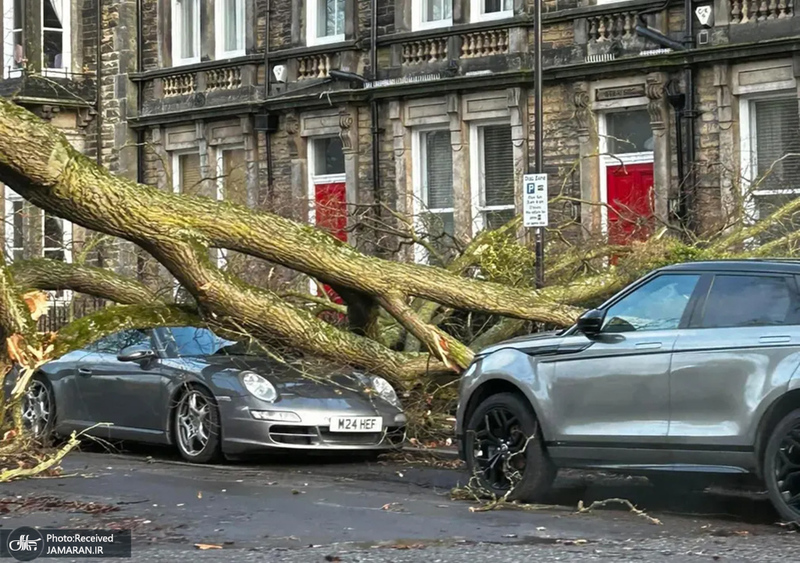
[[657, 305], [739, 301]]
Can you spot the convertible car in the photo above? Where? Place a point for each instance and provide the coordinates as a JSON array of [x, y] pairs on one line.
[[209, 397]]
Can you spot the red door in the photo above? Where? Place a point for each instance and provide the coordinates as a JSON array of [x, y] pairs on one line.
[[330, 206], [630, 202]]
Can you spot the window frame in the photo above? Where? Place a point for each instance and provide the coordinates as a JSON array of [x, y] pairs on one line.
[[418, 152], [312, 22], [477, 179], [66, 40], [315, 179], [8, 40], [477, 13], [220, 19], [418, 23], [747, 150], [177, 34]]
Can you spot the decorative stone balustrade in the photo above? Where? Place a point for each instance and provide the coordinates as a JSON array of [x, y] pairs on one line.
[[224, 78], [424, 51], [313, 66], [180, 84], [484, 43], [747, 11], [612, 27]]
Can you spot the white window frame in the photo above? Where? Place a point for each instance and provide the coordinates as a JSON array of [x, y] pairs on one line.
[[476, 164], [220, 19], [417, 21], [8, 40], [477, 13], [10, 197], [312, 20], [177, 35], [420, 197], [608, 160], [748, 158], [66, 40]]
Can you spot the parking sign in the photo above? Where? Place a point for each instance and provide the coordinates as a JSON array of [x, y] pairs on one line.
[[534, 204]]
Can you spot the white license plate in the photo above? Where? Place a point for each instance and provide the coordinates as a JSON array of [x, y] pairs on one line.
[[356, 424]]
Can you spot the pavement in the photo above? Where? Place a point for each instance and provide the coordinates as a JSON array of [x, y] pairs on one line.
[[313, 509]]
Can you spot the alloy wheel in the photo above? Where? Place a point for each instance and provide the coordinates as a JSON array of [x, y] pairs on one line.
[[194, 423], [787, 469], [499, 448], [36, 408]]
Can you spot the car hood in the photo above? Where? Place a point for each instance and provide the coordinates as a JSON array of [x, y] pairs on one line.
[[532, 343], [313, 381]]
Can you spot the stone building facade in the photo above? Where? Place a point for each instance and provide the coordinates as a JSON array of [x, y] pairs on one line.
[[329, 111]]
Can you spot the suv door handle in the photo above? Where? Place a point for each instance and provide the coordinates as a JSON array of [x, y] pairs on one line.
[[774, 339], [648, 345], [84, 371]]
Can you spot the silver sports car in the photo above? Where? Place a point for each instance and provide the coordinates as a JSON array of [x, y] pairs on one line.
[[209, 396]]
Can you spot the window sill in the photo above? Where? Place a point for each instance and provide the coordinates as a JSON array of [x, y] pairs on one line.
[[427, 26], [327, 40], [495, 16]]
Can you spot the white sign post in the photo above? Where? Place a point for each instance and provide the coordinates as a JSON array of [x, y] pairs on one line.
[[534, 204]]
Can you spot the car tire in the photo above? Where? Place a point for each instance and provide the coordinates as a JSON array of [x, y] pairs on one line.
[[196, 426], [522, 455], [39, 409], [782, 467]]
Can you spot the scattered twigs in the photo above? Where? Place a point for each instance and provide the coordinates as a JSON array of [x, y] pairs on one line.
[[625, 502]]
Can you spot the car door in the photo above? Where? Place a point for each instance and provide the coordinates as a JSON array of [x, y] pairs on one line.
[[610, 392], [741, 349], [125, 394]]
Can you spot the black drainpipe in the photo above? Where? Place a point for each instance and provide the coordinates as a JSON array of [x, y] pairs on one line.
[[688, 183], [267, 134], [139, 92], [376, 132], [99, 79]]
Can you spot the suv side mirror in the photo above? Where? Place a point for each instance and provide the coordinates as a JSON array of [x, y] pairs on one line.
[[136, 353], [591, 322]]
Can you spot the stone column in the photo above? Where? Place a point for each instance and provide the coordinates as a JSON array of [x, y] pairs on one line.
[[462, 192], [591, 212], [401, 147], [662, 159], [32, 36], [729, 157], [251, 160], [299, 172], [348, 133]]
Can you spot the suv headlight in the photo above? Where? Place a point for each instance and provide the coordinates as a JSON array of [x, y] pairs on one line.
[[258, 386], [385, 391]]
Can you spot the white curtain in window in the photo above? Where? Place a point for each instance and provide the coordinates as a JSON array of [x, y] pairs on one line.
[[232, 20], [188, 30], [57, 8], [438, 10]]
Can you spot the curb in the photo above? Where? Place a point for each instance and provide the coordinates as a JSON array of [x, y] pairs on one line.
[[448, 453]]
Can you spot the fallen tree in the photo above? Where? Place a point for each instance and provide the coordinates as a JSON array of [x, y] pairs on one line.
[[398, 311]]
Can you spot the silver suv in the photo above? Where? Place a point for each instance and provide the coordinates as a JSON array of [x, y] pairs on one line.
[[692, 370]]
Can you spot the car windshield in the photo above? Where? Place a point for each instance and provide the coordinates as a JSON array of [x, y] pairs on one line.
[[189, 342]]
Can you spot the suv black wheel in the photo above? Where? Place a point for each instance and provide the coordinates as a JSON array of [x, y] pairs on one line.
[[504, 450], [782, 467]]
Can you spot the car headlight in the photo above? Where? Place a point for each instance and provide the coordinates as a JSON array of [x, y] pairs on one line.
[[258, 386], [385, 391]]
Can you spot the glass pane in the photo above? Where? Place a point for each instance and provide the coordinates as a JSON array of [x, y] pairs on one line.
[[53, 237], [188, 341], [330, 18], [52, 16], [740, 301], [765, 205], [493, 6], [777, 134], [53, 48], [328, 156], [629, 131], [19, 51], [19, 225], [658, 305], [17, 14], [498, 165], [191, 177], [234, 170], [440, 228], [438, 10], [188, 29], [232, 19], [438, 170], [496, 219], [114, 343]]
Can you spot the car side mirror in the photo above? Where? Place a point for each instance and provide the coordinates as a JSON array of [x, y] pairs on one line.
[[591, 322], [136, 353]]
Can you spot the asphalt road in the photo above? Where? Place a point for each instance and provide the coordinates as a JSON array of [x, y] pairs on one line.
[[311, 510]]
